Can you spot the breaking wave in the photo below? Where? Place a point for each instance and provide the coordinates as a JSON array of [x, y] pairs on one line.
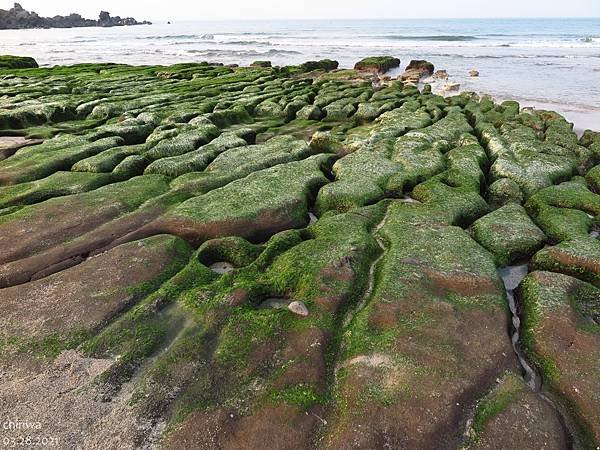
[[446, 38]]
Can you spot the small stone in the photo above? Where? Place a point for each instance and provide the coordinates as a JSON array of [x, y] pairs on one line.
[[441, 75], [298, 308], [451, 87], [221, 267], [473, 73]]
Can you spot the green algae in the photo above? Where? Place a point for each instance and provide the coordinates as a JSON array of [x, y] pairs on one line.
[[17, 62], [206, 341], [545, 295], [495, 402], [55, 185], [509, 234], [576, 257], [379, 63]]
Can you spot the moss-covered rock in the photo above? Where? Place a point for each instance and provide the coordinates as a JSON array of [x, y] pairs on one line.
[[578, 257], [261, 64], [504, 191], [511, 414], [323, 64], [377, 211], [402, 342], [56, 185], [509, 234], [561, 335], [255, 207], [17, 62], [380, 64]]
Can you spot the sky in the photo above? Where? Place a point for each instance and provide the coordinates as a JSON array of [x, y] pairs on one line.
[[161, 10]]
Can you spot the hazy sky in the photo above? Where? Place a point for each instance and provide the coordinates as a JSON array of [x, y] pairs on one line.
[[316, 9]]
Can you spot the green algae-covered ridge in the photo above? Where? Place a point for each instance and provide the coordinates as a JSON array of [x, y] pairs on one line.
[[209, 256]]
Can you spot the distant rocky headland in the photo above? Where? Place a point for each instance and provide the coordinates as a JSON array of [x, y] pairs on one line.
[[17, 18]]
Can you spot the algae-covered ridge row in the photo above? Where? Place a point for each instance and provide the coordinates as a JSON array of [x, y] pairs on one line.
[[208, 256]]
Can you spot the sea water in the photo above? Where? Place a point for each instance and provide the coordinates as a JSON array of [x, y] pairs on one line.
[[550, 63]]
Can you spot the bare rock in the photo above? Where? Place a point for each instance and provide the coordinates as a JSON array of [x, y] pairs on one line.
[[416, 70], [298, 308], [451, 87], [440, 75]]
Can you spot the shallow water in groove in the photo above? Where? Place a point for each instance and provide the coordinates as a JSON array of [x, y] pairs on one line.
[[275, 303], [408, 199], [512, 277]]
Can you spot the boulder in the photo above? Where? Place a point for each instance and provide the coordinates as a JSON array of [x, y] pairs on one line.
[[261, 64], [379, 64], [324, 64], [17, 62], [298, 308], [451, 87], [416, 70], [441, 75]]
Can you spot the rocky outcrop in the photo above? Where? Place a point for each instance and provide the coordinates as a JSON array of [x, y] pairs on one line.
[[261, 64], [380, 64], [416, 70], [17, 18], [324, 64], [17, 62], [441, 75], [203, 256]]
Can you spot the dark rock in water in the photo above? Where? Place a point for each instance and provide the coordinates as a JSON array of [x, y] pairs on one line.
[[378, 63], [416, 70], [261, 64], [324, 64], [18, 18], [441, 75], [451, 87], [422, 65], [17, 62]]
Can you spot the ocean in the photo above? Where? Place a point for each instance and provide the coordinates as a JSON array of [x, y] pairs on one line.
[[549, 63]]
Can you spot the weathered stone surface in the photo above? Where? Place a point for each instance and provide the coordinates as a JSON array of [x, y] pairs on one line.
[[344, 289], [560, 320], [16, 62], [91, 294], [509, 234], [380, 64], [416, 70]]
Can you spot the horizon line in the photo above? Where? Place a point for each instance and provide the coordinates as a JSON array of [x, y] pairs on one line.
[[379, 18]]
